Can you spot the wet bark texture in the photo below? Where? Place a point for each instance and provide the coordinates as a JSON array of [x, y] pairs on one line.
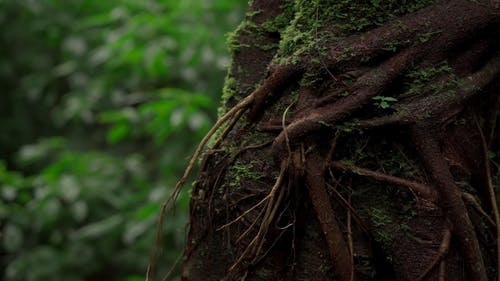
[[357, 145]]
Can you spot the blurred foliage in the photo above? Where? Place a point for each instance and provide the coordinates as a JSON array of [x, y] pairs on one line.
[[102, 102]]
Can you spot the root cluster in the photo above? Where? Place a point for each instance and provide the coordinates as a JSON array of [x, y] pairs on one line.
[[464, 40]]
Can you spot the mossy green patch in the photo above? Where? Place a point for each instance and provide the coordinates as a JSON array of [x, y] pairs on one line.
[[327, 20], [432, 80], [240, 171]]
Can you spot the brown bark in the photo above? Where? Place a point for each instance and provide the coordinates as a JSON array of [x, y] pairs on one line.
[[304, 208]]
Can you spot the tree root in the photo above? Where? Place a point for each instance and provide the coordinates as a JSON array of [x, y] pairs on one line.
[[420, 115], [450, 200], [474, 17], [421, 190], [337, 246], [441, 254]]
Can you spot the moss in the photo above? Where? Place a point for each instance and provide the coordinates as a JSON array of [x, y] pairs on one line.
[[426, 81], [229, 89], [254, 136], [279, 23], [328, 20], [233, 43], [241, 171]]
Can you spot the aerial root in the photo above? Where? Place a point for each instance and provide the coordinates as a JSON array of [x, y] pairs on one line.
[[441, 254], [235, 111], [271, 204], [222, 170], [229, 127]]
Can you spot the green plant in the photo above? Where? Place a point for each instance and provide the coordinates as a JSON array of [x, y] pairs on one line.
[[383, 102]]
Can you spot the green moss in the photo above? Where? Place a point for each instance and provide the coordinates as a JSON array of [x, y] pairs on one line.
[[233, 42], [229, 89], [425, 81], [323, 21], [279, 23], [241, 171]]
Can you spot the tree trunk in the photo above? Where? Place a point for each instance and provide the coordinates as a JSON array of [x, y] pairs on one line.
[[353, 145]]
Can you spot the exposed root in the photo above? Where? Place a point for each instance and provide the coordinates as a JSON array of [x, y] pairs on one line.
[[280, 76], [450, 200], [337, 246], [474, 16], [424, 115], [421, 190], [470, 199], [441, 254], [367, 86], [441, 108], [342, 201]]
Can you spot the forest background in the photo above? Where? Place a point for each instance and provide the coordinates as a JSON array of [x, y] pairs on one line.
[[101, 103]]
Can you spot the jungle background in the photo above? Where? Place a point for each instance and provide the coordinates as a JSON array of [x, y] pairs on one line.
[[101, 103]]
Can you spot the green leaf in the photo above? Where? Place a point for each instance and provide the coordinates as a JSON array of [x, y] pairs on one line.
[[384, 104], [491, 154], [389, 99], [118, 132]]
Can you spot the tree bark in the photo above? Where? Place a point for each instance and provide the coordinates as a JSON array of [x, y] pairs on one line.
[[353, 145]]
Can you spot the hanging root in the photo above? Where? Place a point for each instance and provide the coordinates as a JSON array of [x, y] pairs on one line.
[[271, 204], [230, 115]]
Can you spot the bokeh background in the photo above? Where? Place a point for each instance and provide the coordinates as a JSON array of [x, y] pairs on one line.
[[101, 104]]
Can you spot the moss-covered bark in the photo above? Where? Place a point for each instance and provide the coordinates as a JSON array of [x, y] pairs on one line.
[[356, 145]]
